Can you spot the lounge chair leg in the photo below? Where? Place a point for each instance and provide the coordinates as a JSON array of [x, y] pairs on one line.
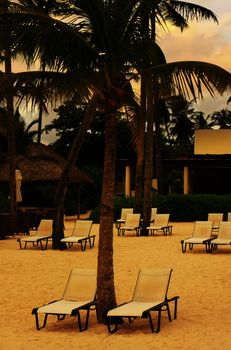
[[37, 321], [169, 314], [92, 241], [150, 322], [183, 246], [20, 244], [45, 246], [175, 308], [207, 247], [83, 245], [110, 329], [159, 320], [80, 322]]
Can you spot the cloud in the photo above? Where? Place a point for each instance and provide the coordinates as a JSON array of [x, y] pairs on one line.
[[203, 41]]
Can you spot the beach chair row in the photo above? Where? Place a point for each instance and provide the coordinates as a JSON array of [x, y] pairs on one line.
[[81, 234], [203, 234], [130, 221], [80, 296]]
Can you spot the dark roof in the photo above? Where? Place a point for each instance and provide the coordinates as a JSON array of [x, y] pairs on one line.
[[40, 163]]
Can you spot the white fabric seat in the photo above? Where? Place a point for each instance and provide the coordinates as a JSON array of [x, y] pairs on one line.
[[132, 223], [42, 235], [160, 224], [202, 234], [150, 294], [79, 294], [122, 219], [223, 236], [81, 234]]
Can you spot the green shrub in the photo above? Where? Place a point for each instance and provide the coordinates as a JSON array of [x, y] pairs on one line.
[[181, 207]]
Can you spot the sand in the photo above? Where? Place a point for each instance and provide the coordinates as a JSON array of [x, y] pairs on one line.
[[31, 277]]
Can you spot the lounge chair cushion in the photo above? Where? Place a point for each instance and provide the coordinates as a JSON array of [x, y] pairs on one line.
[[132, 309], [62, 307]]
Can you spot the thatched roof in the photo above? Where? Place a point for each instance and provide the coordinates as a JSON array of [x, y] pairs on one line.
[[41, 163]]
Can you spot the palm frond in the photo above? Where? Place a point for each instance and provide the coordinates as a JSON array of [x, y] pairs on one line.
[[191, 78], [53, 86], [192, 11]]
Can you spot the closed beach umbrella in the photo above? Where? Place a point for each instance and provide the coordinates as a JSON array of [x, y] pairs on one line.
[[18, 182]]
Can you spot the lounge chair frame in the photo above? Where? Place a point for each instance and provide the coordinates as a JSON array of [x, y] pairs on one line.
[[75, 312], [114, 321], [129, 226], [222, 237], [121, 221], [165, 229], [38, 238], [205, 241], [82, 240], [39, 241]]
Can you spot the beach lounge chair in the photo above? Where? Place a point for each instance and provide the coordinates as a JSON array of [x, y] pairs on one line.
[[202, 233], [81, 234], [132, 223], [42, 235], [150, 294], [79, 294], [160, 224], [224, 235], [124, 212], [216, 218]]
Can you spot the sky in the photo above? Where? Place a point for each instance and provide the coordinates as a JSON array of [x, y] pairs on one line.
[[203, 41]]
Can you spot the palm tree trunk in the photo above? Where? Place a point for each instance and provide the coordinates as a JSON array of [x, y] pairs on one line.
[[148, 159], [105, 276], [159, 172], [11, 141], [58, 226], [140, 148], [40, 121]]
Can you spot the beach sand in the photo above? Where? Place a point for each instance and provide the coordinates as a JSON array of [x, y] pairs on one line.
[[31, 277]]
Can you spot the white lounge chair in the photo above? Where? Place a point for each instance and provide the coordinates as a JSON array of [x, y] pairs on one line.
[[150, 294], [202, 234], [160, 224], [81, 234], [124, 212], [216, 218], [79, 294], [223, 236], [42, 235], [132, 223]]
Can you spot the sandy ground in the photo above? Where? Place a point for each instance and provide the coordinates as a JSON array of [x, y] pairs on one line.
[[30, 278]]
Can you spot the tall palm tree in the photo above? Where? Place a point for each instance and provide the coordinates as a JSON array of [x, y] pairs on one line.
[[94, 52], [153, 13]]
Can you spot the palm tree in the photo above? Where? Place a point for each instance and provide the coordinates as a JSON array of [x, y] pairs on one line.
[[94, 52], [161, 13], [220, 118]]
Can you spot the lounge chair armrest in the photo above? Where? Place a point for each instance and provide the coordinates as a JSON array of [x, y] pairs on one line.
[[75, 311]]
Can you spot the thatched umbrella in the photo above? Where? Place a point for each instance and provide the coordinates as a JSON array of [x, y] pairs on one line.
[[41, 163]]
